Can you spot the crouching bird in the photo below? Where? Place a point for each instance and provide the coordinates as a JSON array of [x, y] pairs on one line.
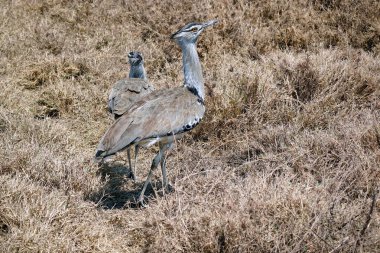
[[163, 115]]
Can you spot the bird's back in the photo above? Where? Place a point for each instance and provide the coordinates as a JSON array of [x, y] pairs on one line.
[[125, 93], [157, 115]]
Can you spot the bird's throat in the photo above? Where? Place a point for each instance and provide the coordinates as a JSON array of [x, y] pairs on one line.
[[192, 70], [137, 71]]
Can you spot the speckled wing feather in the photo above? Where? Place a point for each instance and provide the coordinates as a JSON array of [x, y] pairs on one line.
[[156, 115], [125, 92]]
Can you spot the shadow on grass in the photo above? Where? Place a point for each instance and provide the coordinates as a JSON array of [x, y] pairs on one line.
[[117, 192]]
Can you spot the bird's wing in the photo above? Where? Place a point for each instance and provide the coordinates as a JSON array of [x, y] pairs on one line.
[[158, 114], [125, 92]]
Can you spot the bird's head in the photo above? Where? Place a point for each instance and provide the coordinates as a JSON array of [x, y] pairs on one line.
[[135, 58], [191, 31]]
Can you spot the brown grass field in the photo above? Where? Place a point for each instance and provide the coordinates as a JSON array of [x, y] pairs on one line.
[[287, 158]]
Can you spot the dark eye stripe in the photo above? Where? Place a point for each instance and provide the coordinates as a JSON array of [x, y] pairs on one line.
[[192, 29]]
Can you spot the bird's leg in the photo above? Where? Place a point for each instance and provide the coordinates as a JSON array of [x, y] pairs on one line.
[[134, 167], [154, 165], [130, 164], [163, 165], [164, 177]]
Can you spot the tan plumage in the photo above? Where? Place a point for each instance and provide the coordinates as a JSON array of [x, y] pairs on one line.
[[157, 115], [125, 93]]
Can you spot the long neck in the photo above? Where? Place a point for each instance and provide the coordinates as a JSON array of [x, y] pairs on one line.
[[192, 70], [137, 71]]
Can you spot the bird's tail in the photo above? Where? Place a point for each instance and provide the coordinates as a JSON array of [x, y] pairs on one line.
[[100, 155]]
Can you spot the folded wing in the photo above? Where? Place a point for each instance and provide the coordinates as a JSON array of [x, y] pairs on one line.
[[154, 116], [125, 93]]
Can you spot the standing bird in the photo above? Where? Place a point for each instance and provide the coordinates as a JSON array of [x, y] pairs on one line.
[[163, 115], [126, 92]]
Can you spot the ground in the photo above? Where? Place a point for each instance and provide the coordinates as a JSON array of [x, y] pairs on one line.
[[287, 158]]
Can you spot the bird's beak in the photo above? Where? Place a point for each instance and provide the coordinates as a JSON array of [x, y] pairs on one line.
[[209, 23], [174, 34]]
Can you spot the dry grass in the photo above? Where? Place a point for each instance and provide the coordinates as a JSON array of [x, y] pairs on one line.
[[287, 158]]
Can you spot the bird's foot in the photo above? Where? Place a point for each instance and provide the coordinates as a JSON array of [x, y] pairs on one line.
[[133, 176], [168, 189], [141, 203]]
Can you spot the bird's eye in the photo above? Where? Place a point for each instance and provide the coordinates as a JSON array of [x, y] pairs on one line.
[[194, 29]]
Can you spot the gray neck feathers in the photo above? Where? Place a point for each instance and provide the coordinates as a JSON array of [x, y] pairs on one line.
[[137, 71], [192, 69]]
